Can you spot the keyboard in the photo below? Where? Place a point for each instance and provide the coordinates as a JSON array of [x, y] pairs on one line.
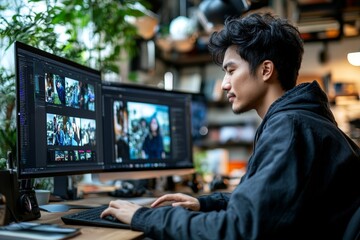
[[91, 217]]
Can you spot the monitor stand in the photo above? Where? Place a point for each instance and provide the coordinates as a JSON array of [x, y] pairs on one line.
[[64, 188]]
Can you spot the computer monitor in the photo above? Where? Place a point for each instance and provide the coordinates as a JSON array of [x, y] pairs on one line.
[[147, 131], [59, 120]]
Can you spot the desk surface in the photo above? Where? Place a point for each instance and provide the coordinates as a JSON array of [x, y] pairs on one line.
[[90, 232]]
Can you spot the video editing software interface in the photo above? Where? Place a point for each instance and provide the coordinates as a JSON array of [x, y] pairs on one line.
[[70, 122], [58, 113], [147, 128]]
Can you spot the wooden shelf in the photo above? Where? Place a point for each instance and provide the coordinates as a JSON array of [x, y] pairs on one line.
[[207, 144], [180, 60]]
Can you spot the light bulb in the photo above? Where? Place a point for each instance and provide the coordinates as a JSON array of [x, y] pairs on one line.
[[354, 58]]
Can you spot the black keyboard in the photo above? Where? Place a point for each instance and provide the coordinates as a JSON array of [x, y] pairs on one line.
[[92, 217]]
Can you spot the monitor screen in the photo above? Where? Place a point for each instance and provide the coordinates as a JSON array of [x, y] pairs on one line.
[[59, 120], [146, 128]]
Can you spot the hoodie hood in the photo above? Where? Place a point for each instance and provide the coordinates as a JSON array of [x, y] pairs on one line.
[[306, 97]]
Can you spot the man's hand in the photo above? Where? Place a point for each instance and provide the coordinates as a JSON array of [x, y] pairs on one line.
[[178, 199], [122, 210]]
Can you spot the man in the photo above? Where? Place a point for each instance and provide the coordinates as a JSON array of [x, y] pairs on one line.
[[303, 177]]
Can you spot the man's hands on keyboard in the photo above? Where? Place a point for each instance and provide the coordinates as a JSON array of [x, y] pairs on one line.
[[178, 200], [91, 217], [111, 218], [111, 215], [121, 210]]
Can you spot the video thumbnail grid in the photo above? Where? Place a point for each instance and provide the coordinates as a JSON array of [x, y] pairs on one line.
[[60, 90]]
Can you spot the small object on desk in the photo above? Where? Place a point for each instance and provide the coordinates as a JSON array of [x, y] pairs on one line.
[[62, 207], [127, 193], [55, 198], [127, 189], [38, 231]]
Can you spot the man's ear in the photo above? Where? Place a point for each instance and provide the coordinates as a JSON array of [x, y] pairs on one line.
[[267, 70]]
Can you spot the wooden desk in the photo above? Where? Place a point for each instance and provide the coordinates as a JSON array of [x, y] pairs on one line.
[[90, 232]]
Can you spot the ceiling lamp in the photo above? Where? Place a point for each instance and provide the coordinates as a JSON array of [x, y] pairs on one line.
[[216, 11], [354, 58]]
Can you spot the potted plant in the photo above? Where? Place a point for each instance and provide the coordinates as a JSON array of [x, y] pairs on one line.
[[7, 113], [43, 188]]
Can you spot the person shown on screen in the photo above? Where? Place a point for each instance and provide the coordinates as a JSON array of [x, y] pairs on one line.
[[59, 135], [153, 146], [75, 95], [85, 135], [143, 128], [81, 95], [67, 133], [76, 131], [91, 97], [49, 87], [120, 132], [71, 140], [54, 127], [60, 91], [302, 177]]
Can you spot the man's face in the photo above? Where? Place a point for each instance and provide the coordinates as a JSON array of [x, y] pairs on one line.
[[244, 91]]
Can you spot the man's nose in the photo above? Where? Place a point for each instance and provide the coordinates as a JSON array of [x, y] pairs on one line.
[[225, 85]]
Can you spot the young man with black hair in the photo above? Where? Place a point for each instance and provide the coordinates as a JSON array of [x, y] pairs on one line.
[[302, 180]]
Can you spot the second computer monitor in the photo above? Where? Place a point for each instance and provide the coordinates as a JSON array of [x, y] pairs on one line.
[[146, 128]]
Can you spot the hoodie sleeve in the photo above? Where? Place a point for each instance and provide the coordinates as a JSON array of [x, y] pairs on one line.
[[214, 202]]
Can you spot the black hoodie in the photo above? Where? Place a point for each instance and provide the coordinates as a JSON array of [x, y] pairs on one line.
[[302, 181]]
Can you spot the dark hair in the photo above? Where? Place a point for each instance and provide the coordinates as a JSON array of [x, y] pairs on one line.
[[158, 128], [260, 37]]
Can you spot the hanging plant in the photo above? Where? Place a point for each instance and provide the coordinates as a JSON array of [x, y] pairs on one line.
[[95, 33]]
